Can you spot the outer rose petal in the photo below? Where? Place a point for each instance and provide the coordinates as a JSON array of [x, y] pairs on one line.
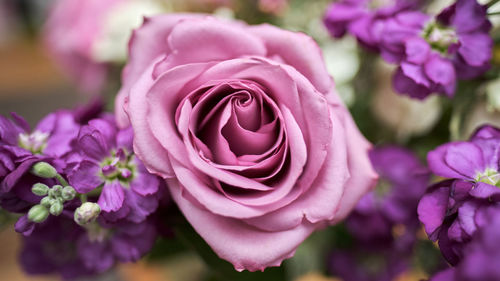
[[246, 247], [298, 50], [363, 176], [144, 140], [151, 36]]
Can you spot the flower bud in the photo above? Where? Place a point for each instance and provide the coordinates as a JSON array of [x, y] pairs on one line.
[[56, 209], [46, 202], [87, 213], [55, 191], [68, 193], [40, 189], [44, 170], [38, 214]]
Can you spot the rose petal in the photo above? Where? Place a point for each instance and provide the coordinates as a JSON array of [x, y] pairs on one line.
[[298, 50], [243, 245]]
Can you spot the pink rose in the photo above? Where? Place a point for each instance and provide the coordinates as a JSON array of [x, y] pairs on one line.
[[70, 32], [244, 124]]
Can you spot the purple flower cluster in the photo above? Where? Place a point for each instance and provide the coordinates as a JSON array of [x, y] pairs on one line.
[[87, 200], [432, 52], [456, 211], [384, 223]]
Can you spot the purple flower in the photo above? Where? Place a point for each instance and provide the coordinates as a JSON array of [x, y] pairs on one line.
[[481, 260], [104, 245], [454, 45], [394, 201], [60, 246], [51, 249], [432, 53], [105, 161], [453, 210], [473, 46], [360, 19], [384, 223], [20, 148]]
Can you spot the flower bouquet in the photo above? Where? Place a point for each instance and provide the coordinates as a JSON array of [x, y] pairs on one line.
[[275, 140]]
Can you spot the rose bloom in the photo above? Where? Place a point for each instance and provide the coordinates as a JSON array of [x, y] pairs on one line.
[[244, 124]]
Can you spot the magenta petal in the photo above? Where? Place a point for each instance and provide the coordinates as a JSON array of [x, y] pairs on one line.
[[85, 177], [440, 70], [432, 209], [476, 48], [484, 190], [112, 197], [466, 217], [417, 50], [416, 73], [436, 159], [465, 158], [144, 183]]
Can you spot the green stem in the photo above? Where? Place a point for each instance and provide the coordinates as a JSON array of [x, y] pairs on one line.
[[83, 198], [493, 14], [62, 180]]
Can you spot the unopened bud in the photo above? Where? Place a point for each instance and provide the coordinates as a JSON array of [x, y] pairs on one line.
[[45, 202], [44, 170], [55, 191], [68, 193], [56, 209], [40, 189], [38, 214], [87, 213]]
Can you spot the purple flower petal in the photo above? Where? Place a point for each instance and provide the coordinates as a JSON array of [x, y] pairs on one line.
[[438, 165], [466, 217], [405, 85], [140, 206], [112, 197], [417, 50], [432, 209], [476, 49], [440, 70], [469, 16], [144, 183], [24, 226], [95, 255], [85, 177], [484, 190], [465, 158]]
